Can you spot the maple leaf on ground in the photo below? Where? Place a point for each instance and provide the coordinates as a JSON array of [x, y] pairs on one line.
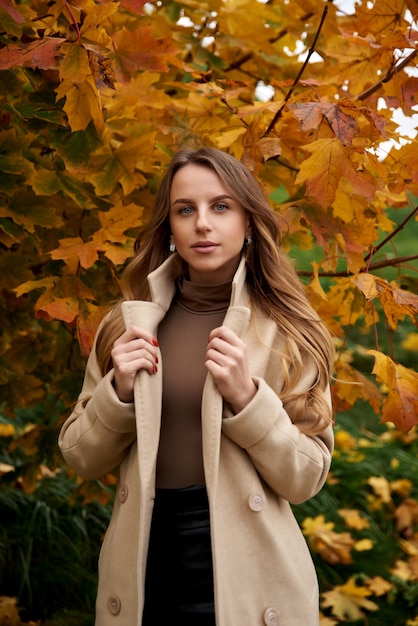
[[348, 602], [378, 585], [381, 487], [403, 487], [353, 519], [402, 570], [331, 546], [406, 516]]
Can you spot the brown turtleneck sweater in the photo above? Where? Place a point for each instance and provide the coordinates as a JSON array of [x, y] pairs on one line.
[[183, 337]]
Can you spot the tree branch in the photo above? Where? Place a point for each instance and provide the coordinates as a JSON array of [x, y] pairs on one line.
[[389, 74], [390, 236], [298, 77], [373, 266]]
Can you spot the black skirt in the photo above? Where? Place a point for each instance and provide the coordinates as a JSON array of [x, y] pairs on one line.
[[179, 578]]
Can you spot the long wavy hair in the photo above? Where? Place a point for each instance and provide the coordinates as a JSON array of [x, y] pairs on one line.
[[273, 283]]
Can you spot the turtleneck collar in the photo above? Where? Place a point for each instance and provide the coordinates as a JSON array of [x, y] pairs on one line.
[[203, 298]]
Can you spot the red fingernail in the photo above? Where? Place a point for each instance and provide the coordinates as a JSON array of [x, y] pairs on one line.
[[155, 342], [156, 358], [155, 369]]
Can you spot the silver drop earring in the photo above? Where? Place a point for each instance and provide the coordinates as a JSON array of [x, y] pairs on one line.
[[248, 240], [172, 246]]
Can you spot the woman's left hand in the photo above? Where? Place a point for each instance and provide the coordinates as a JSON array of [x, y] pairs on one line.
[[227, 361]]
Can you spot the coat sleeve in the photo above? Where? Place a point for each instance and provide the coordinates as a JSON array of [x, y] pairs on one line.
[[97, 435], [293, 464]]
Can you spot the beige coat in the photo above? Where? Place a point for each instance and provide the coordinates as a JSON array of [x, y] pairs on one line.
[[256, 463]]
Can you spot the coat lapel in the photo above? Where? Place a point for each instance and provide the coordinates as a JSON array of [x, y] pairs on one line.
[[236, 318], [147, 392]]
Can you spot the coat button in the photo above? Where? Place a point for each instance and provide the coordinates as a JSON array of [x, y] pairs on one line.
[[123, 492], [256, 502], [114, 604], [271, 617]]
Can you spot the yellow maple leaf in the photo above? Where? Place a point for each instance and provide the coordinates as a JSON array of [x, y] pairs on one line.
[[82, 101], [353, 519], [331, 546], [348, 601], [402, 570], [402, 486], [381, 487], [378, 585]]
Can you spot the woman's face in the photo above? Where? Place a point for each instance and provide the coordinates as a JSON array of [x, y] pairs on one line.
[[207, 225]]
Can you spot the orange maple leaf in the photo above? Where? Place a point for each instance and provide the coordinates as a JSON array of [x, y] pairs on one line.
[[401, 404], [75, 247], [139, 50], [310, 114], [42, 53]]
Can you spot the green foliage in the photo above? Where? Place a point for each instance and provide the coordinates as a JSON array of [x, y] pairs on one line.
[[51, 530]]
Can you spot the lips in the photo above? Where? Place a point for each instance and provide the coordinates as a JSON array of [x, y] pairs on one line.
[[204, 244]]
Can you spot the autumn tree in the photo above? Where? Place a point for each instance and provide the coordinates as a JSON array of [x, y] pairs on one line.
[[97, 95]]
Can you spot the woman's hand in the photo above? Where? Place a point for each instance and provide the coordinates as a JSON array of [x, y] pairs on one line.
[[227, 361], [136, 349]]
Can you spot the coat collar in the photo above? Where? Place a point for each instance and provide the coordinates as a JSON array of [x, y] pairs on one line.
[[162, 282]]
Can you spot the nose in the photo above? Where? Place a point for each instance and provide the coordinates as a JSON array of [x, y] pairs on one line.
[[202, 220]]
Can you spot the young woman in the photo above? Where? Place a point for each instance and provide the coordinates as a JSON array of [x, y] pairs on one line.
[[208, 387]]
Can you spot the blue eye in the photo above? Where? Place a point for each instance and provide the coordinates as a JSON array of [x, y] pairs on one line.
[[186, 210], [220, 206]]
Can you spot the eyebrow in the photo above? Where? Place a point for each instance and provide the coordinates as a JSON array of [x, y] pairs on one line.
[[215, 199]]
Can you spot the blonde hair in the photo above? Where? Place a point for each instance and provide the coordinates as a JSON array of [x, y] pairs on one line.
[[272, 281]]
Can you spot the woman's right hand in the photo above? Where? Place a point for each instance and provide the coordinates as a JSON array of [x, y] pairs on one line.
[[136, 349]]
